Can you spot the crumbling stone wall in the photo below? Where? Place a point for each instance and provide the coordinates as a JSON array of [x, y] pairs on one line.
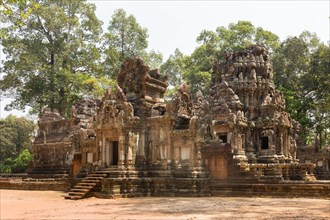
[[52, 148], [321, 158], [83, 133]]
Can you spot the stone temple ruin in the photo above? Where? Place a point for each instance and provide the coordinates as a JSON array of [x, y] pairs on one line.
[[134, 143]]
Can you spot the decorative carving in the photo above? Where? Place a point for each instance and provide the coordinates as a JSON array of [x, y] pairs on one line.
[[182, 108], [239, 128]]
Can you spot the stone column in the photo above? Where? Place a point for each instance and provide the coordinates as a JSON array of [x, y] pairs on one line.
[[121, 149], [176, 156], [103, 152]]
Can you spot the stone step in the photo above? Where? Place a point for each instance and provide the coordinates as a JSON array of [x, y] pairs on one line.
[[86, 184], [76, 188], [109, 171], [80, 189], [77, 194], [83, 187], [97, 175], [93, 178], [73, 197], [90, 181]]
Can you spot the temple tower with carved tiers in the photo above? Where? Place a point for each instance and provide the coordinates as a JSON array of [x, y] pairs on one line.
[[248, 112]]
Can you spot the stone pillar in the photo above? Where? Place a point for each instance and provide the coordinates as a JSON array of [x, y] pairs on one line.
[[198, 155], [103, 151], [287, 143], [129, 155], [131, 148], [141, 144], [140, 151], [176, 156], [280, 151], [121, 149], [168, 145]]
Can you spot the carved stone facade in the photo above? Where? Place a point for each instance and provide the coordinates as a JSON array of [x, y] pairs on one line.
[[239, 132], [53, 148], [248, 113]]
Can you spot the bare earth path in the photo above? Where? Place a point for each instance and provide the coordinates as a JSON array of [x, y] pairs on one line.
[[51, 205]]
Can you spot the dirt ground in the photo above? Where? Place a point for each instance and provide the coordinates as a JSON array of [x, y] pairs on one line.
[[17, 204]]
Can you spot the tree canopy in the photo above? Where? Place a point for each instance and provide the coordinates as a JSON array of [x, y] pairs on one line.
[[51, 54], [301, 66], [196, 68], [125, 39], [16, 136]]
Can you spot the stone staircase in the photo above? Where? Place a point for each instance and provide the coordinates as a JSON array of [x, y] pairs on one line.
[[81, 189]]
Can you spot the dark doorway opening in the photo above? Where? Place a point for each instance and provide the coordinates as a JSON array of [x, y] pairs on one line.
[[264, 143], [115, 153], [223, 138]]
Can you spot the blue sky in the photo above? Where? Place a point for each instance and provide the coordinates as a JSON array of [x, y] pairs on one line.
[[176, 24]]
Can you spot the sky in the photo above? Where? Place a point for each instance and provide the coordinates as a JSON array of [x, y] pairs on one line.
[[176, 24]]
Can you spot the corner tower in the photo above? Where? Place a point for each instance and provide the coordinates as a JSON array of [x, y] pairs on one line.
[[249, 113]]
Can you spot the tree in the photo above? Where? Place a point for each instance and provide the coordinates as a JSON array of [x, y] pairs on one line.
[[301, 66], [291, 65], [16, 136], [318, 82], [196, 68], [174, 67], [17, 165], [125, 39], [15, 10], [236, 38], [51, 55], [153, 59]]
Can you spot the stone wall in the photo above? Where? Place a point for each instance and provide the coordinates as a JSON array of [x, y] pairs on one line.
[[284, 189], [34, 184], [321, 158]]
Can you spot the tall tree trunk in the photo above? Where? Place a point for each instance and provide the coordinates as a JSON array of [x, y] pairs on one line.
[[52, 81]]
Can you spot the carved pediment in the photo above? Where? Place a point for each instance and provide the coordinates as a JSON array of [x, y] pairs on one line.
[[114, 109]]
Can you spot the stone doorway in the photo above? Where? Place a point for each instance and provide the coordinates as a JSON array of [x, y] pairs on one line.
[[111, 153]]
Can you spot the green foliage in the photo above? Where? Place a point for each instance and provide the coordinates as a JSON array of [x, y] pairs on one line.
[[196, 69], [153, 59], [301, 66], [17, 11], [97, 86], [15, 142], [47, 52], [52, 58], [21, 163], [238, 36], [181, 68], [125, 39], [18, 165], [173, 68], [5, 167]]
